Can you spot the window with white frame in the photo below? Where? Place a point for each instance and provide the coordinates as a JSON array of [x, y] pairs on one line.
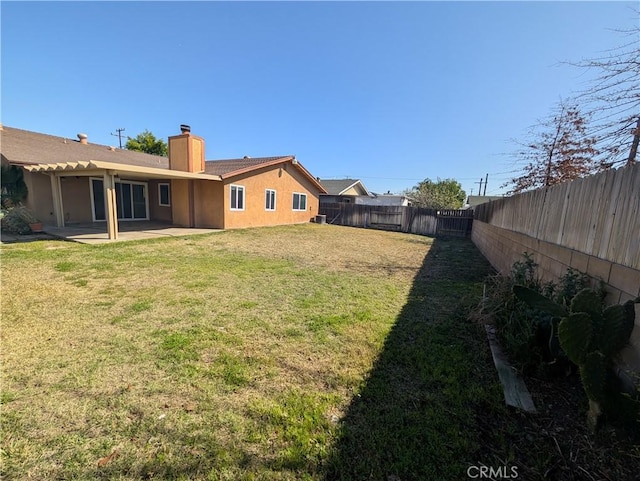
[[237, 197], [164, 195], [299, 201], [269, 199]]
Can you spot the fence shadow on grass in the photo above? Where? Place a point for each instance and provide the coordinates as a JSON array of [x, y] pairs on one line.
[[416, 416]]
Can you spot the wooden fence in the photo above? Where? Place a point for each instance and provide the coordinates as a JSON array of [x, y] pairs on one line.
[[598, 215], [414, 220]]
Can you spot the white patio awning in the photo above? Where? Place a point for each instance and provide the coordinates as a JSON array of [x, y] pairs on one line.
[[91, 166]]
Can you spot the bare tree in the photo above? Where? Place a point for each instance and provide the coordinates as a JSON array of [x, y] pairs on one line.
[[560, 150], [613, 101]]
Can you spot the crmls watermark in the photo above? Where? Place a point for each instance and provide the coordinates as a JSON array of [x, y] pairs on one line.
[[489, 472]]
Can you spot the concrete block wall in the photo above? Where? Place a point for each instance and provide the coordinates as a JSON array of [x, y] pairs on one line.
[[503, 247]]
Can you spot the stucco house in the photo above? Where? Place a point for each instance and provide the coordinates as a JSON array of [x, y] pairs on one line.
[[75, 181], [383, 199], [342, 190], [353, 191]]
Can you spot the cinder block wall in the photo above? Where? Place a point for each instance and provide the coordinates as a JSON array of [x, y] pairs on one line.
[[503, 247]]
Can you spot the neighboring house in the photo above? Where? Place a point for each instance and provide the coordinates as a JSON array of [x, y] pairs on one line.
[[384, 199], [474, 200], [342, 190], [74, 181]]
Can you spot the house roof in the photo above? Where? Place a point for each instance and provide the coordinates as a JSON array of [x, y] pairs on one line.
[[49, 153], [233, 167], [338, 186], [227, 167], [25, 147]]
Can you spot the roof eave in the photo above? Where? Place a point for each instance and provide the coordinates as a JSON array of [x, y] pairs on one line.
[[280, 160], [78, 166]]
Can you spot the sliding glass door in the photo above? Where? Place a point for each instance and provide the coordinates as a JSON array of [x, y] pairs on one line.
[[131, 200]]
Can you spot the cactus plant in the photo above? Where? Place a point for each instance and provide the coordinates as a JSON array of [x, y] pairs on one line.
[[589, 335]]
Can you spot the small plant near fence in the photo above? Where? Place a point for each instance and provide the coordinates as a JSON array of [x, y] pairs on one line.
[[553, 329], [526, 333]]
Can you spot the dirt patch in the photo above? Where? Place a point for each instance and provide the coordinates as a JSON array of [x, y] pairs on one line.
[[556, 443]]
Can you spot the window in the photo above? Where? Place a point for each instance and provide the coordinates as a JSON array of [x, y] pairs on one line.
[[164, 195], [269, 199], [299, 201], [237, 197]]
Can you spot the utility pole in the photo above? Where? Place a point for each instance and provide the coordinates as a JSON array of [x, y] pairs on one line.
[[119, 135], [480, 189], [486, 181]]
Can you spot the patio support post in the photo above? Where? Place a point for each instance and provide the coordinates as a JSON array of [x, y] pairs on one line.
[[110, 204], [56, 193]]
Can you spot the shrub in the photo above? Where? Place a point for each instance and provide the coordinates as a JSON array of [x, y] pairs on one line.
[[17, 219], [529, 335]]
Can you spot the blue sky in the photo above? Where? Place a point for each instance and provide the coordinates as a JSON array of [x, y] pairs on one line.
[[388, 92]]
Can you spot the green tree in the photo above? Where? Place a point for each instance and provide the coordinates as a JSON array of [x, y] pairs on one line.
[[443, 194], [147, 142]]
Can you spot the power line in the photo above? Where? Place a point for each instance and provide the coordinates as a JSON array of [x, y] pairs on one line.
[[119, 135]]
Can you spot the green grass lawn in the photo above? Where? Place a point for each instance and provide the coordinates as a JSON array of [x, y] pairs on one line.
[[300, 352]]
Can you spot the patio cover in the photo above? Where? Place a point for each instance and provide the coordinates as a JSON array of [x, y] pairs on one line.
[[109, 171]]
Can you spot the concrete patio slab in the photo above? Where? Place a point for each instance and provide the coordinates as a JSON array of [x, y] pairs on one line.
[[96, 233]]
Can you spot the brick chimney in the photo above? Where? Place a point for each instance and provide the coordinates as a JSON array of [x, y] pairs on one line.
[[186, 151]]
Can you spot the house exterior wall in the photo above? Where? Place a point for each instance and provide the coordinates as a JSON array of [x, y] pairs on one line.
[[285, 179], [39, 198], [208, 205], [352, 191], [157, 211], [180, 202], [76, 199]]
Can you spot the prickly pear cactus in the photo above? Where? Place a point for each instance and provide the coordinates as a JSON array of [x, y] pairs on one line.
[[575, 333], [593, 372], [587, 300], [589, 336], [536, 300], [618, 322]]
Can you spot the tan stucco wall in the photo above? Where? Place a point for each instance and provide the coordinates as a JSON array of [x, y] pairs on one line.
[[180, 202], [39, 198], [179, 153], [503, 247], [352, 191], [157, 211], [285, 179], [209, 200], [186, 153], [76, 199]]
